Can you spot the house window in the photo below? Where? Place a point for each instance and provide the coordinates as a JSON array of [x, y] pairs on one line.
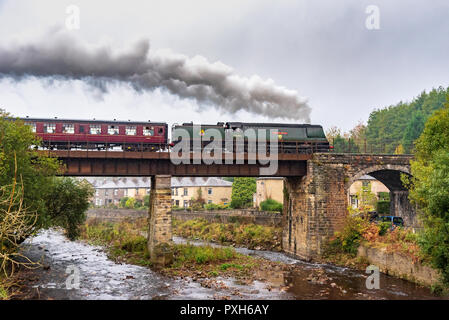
[[186, 191], [176, 191], [115, 192], [209, 191], [354, 201], [98, 202], [148, 191], [97, 192], [95, 129], [148, 131], [113, 130], [32, 126], [49, 128], [130, 130], [186, 203], [126, 192], [106, 192], [68, 128], [209, 201], [177, 203]]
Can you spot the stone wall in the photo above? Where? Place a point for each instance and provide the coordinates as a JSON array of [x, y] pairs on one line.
[[399, 265], [230, 216], [221, 216], [116, 215]]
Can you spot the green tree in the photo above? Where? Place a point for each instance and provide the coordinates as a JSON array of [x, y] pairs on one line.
[[123, 202], [243, 190], [130, 203], [429, 188], [146, 201], [402, 123], [35, 171], [67, 203]]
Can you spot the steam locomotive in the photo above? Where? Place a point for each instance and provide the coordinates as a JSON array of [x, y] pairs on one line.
[[291, 138], [65, 134]]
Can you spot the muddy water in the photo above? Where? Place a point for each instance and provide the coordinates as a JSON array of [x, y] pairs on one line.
[[324, 281], [101, 278]]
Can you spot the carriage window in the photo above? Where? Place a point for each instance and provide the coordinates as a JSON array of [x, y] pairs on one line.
[[95, 129], [49, 128], [81, 129], [113, 130], [68, 128], [130, 130], [148, 131], [32, 126], [161, 130]]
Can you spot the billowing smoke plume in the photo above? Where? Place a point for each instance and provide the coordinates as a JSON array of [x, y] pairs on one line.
[[210, 84]]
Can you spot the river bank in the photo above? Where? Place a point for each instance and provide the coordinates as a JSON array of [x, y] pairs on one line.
[[103, 278]]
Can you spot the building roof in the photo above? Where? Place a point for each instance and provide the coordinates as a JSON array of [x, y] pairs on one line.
[[120, 183], [145, 182], [366, 177], [199, 182]]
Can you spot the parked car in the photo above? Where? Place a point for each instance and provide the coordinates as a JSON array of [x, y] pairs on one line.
[[395, 221]]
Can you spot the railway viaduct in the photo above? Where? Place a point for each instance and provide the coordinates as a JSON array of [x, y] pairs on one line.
[[316, 193]]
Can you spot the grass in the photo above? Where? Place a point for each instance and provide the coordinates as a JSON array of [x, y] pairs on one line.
[[248, 235], [124, 240], [125, 243]]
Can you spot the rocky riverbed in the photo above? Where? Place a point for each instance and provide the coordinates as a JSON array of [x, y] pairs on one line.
[[62, 261]]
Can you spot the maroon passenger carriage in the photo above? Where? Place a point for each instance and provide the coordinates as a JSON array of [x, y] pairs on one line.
[[64, 134]]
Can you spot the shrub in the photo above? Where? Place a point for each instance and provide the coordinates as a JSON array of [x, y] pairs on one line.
[[348, 240], [213, 206], [384, 196], [384, 227], [383, 207], [271, 205]]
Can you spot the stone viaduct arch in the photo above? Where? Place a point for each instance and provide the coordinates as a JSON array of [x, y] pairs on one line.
[[315, 205]]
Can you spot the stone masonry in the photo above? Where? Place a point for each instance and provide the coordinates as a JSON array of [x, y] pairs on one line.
[[315, 205], [160, 221]]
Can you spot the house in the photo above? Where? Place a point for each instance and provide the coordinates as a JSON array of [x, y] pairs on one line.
[[367, 184], [109, 191], [269, 188], [213, 190]]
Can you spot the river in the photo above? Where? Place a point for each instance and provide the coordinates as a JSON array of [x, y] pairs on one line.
[[101, 278]]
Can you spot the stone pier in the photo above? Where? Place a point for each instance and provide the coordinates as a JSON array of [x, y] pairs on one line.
[[160, 222]]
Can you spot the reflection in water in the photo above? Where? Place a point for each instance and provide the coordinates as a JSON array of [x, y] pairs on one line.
[[324, 281]]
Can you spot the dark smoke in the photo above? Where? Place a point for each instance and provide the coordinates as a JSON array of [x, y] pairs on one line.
[[60, 56]]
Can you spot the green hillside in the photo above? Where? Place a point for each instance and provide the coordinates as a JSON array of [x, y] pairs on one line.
[[401, 124]]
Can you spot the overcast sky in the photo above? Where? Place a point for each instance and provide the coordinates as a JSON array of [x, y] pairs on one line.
[[321, 49]]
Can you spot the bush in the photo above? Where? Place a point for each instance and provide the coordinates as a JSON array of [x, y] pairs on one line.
[[271, 205], [123, 202], [384, 196], [384, 227], [383, 207], [348, 240], [213, 206]]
